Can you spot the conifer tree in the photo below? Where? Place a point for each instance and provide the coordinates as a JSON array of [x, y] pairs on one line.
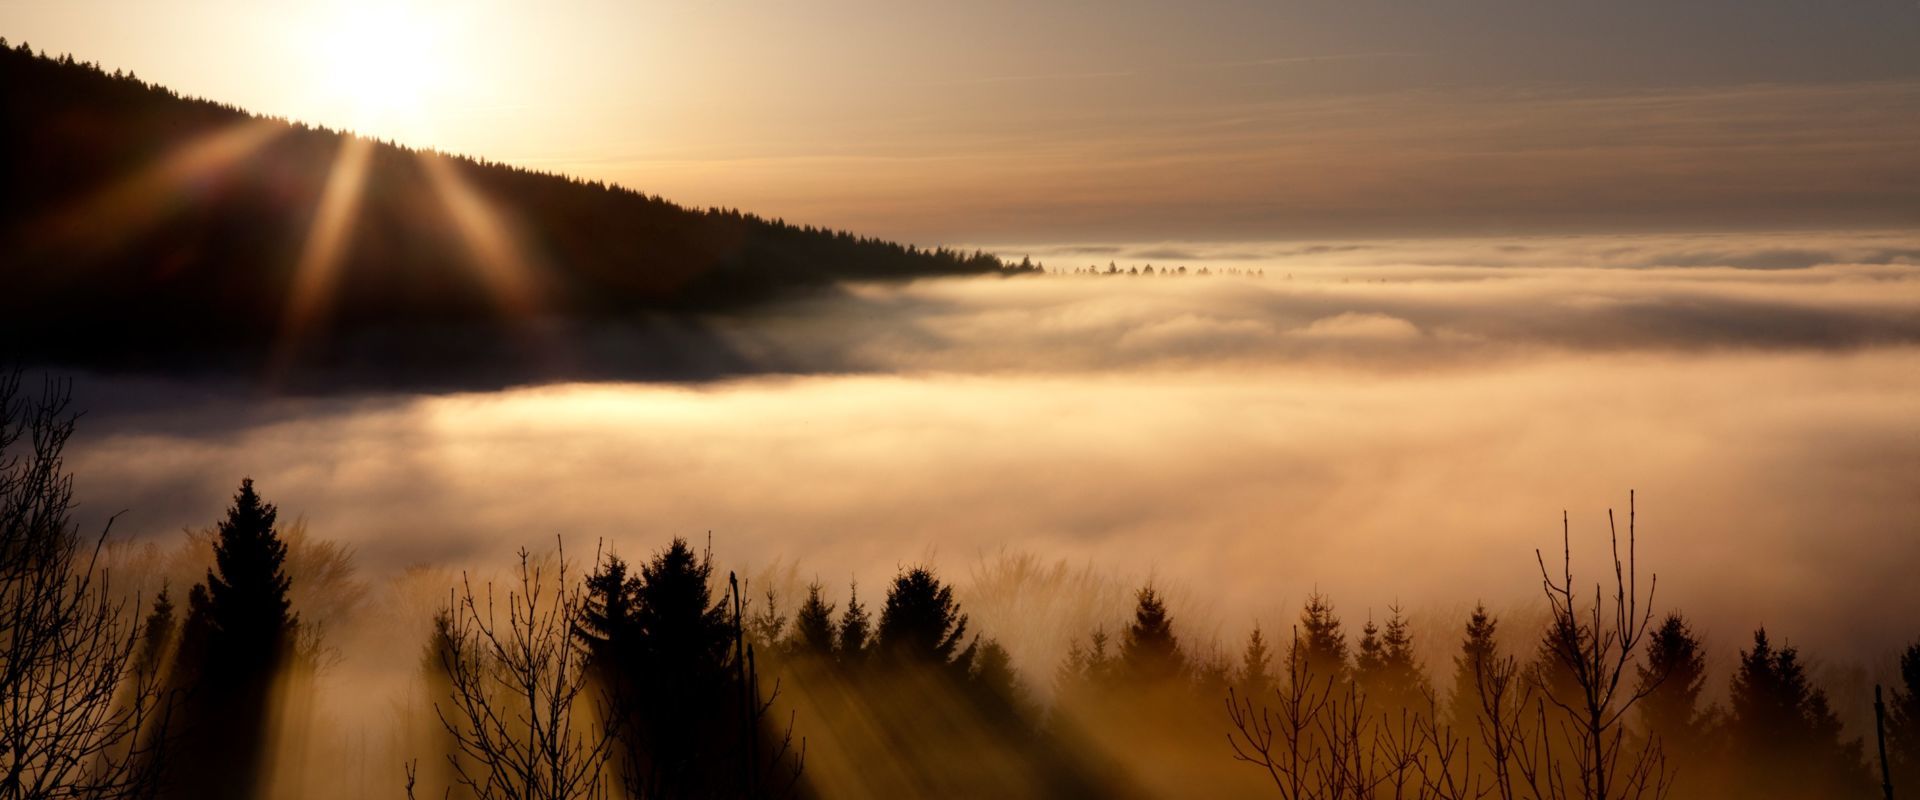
[[1255, 676], [922, 624], [156, 634], [238, 635], [1385, 667], [998, 686], [813, 631], [1370, 657], [1671, 680], [248, 607], [855, 629], [1149, 648], [1477, 654], [1321, 649], [1785, 737]]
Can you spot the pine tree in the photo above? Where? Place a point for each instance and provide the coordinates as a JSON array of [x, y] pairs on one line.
[[813, 630], [921, 623], [156, 634], [1369, 658], [1385, 667], [1087, 673], [997, 686], [238, 634], [663, 648], [1784, 735], [1477, 654], [252, 617], [1255, 676], [1671, 680], [855, 629], [1321, 649], [1149, 649]]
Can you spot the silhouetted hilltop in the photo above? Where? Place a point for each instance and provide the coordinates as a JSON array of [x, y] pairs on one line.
[[137, 225]]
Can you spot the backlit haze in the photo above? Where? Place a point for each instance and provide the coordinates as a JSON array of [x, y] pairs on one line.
[[1071, 121], [1383, 289]]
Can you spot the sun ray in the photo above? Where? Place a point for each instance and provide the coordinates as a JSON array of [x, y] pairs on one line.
[[317, 270], [110, 216], [500, 262]]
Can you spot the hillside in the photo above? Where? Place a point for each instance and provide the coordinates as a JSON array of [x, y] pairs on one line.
[[138, 226]]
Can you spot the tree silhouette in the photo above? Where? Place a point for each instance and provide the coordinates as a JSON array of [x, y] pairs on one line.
[[1087, 672], [516, 704], [813, 630], [1903, 722], [1671, 680], [76, 707], [1255, 676], [1322, 645], [855, 630], [922, 625], [1783, 732], [661, 645], [1149, 649], [1385, 667], [238, 636], [997, 687], [252, 618], [1477, 652]]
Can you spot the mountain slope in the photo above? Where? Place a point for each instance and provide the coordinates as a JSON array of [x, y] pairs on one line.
[[137, 225]]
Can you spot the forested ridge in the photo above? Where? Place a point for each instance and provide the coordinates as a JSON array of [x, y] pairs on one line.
[[136, 223]]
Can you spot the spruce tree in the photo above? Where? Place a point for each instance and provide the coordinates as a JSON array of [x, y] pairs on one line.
[[998, 686], [813, 630], [1785, 737], [1386, 669], [922, 624], [1149, 649], [1255, 676], [855, 629], [1477, 653], [156, 634], [237, 636], [248, 607], [1322, 646], [1369, 658], [1671, 680]]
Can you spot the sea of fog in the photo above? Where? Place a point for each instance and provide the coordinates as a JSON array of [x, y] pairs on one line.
[[1384, 422]]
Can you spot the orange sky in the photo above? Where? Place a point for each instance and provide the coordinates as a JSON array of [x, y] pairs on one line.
[[1022, 122]]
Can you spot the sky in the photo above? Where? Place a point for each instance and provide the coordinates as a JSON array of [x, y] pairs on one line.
[[1002, 122]]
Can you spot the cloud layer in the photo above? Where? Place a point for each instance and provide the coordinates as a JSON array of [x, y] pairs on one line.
[[1385, 431]]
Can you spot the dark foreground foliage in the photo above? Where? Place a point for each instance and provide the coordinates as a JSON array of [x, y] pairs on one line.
[[660, 678]]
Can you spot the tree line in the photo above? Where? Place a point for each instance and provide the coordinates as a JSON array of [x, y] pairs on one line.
[[154, 227], [664, 678]]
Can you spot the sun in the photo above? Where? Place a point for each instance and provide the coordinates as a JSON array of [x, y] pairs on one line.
[[378, 67]]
